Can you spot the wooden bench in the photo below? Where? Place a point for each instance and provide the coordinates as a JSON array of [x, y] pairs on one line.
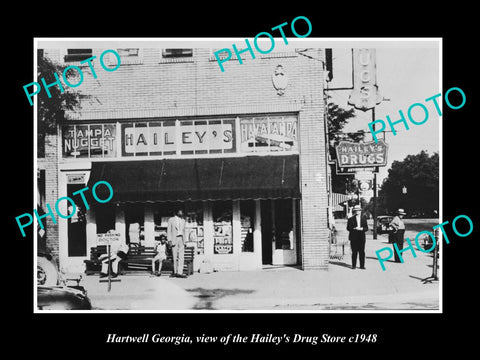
[[139, 258]]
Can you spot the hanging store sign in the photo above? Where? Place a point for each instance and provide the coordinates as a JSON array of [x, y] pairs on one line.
[[269, 134], [365, 94], [352, 154]]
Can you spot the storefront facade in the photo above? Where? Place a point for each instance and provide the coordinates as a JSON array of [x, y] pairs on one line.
[[244, 161]]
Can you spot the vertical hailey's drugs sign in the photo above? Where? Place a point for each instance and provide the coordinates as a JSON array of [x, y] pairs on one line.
[[365, 94]]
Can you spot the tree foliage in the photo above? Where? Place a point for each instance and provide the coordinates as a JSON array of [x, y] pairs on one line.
[[420, 176], [51, 110]]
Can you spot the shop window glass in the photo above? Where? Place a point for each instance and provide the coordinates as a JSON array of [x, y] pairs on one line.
[[193, 214], [222, 225], [104, 218], [247, 218], [161, 213], [194, 226], [284, 236], [134, 221], [77, 236]]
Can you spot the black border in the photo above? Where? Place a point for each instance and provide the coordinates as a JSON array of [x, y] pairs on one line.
[[405, 334]]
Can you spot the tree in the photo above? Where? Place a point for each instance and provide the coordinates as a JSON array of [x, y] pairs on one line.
[[337, 118], [51, 111], [419, 174]]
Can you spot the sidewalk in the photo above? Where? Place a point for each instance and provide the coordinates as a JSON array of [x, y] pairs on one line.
[[283, 288]]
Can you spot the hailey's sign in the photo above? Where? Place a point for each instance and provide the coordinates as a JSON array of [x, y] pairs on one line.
[[365, 93], [351, 154], [183, 137]]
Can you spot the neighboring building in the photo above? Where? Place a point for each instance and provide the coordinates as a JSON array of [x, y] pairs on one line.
[[242, 152]]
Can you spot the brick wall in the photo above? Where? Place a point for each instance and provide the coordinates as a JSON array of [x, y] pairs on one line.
[[197, 87], [313, 173], [51, 192], [156, 88]]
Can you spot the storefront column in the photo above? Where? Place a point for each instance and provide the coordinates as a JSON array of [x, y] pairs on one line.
[[149, 226], [236, 228], [257, 234], [61, 225], [293, 244], [207, 229], [120, 226], [273, 230]]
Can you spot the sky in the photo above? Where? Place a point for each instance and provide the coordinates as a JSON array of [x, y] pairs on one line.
[[407, 73]]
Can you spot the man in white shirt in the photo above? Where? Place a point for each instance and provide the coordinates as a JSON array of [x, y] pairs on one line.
[[118, 251], [176, 236], [397, 227]]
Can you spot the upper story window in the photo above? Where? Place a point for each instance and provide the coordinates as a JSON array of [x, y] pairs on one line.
[[129, 56], [128, 52], [276, 50], [77, 54], [176, 53]]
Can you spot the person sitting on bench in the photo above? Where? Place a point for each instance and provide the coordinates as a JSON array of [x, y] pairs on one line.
[[118, 251], [161, 254]]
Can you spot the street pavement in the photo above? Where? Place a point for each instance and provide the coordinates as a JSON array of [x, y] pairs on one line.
[[399, 287]]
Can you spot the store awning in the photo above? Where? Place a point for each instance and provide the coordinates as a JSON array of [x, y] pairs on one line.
[[251, 177]]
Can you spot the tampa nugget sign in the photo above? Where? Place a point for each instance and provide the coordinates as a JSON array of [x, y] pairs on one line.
[[352, 154]]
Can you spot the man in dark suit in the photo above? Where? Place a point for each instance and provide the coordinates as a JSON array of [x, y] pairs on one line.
[[357, 226]]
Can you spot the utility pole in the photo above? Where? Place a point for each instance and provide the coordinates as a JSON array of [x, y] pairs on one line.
[[374, 188]]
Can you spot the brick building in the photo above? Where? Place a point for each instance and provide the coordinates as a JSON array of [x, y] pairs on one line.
[[242, 152]]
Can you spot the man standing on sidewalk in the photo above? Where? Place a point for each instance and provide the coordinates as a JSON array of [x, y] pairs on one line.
[[357, 226], [397, 227], [176, 235]]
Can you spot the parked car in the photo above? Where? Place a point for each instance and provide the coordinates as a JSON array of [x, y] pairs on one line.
[[52, 290], [47, 273], [382, 223], [62, 298]]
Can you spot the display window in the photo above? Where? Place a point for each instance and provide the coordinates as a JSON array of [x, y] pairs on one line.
[[134, 221], [247, 217], [193, 214], [284, 236], [105, 218], [194, 226], [222, 227], [77, 237]]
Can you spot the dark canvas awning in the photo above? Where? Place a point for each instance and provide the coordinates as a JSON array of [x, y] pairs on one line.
[[251, 177]]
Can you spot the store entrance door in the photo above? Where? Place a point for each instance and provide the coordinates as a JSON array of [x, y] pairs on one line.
[[279, 231], [267, 234], [77, 237]]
